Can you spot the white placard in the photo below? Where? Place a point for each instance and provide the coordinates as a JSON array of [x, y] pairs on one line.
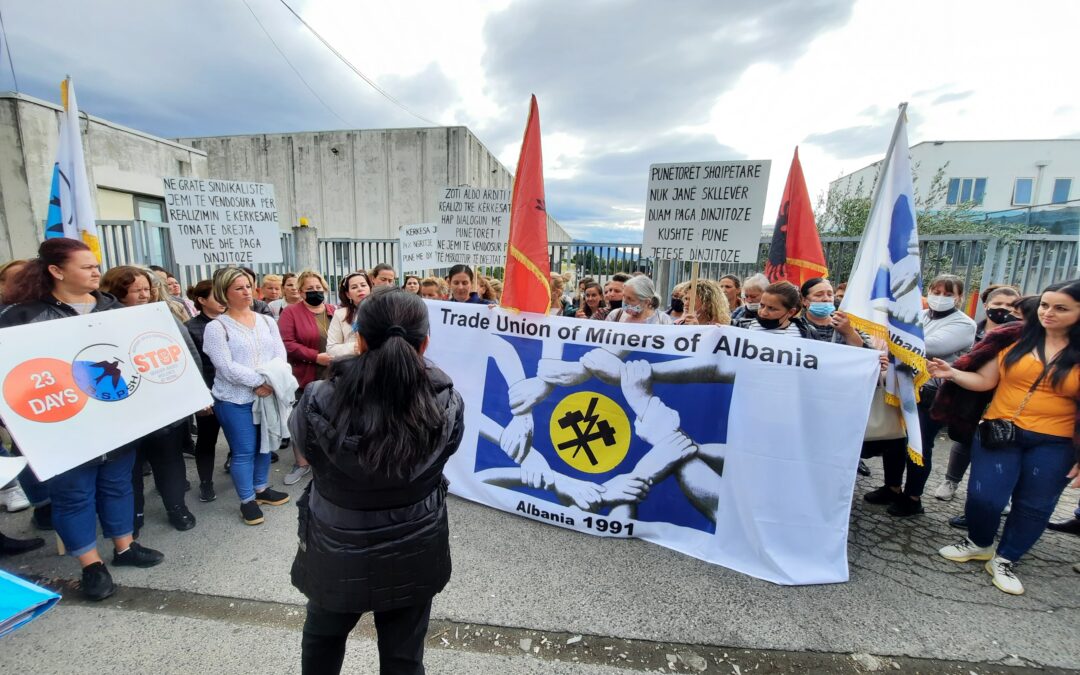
[[708, 212], [474, 226], [77, 388], [418, 246], [222, 222]]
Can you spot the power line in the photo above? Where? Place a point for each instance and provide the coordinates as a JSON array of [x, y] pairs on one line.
[[7, 48], [310, 88], [356, 70]]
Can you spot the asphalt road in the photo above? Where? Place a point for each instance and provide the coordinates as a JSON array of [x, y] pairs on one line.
[[222, 602]]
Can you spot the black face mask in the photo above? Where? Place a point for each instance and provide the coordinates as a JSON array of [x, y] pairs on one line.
[[769, 324], [677, 305], [314, 298], [1000, 315], [615, 304]]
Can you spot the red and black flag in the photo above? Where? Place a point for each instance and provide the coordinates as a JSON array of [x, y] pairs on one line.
[[795, 253]]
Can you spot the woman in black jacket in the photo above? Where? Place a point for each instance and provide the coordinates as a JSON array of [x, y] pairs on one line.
[[374, 535], [63, 282], [208, 426]]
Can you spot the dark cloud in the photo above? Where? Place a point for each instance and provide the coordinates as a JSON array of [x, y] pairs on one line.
[[622, 68], [953, 97]]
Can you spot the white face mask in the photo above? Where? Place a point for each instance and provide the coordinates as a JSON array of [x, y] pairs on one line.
[[941, 303], [752, 306]]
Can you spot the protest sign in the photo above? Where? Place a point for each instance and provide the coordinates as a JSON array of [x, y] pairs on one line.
[[79, 387], [473, 226], [705, 212], [418, 246], [691, 437], [222, 222]]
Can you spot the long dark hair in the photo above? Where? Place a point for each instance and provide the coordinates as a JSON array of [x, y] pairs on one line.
[[1034, 336], [34, 282], [384, 395], [343, 294], [603, 303]]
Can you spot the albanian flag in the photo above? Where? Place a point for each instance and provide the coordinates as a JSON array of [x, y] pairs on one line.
[[795, 253], [527, 287]]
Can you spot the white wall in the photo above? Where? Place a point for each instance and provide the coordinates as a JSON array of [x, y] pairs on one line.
[[1000, 162]]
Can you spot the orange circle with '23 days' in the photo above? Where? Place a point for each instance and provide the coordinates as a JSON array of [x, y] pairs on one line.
[[43, 390]]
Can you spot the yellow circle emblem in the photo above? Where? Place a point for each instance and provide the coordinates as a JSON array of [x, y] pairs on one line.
[[590, 432]]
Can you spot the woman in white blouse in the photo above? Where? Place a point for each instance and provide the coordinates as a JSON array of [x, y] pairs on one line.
[[340, 337], [238, 342]]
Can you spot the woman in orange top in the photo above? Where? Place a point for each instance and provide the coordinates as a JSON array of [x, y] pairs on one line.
[[1036, 384]]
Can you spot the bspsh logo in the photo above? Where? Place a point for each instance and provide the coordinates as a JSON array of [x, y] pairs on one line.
[[104, 373]]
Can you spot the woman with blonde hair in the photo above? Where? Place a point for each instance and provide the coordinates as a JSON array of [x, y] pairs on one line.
[[238, 343], [710, 306]]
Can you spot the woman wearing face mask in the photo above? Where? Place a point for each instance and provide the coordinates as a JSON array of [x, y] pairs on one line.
[[462, 283], [592, 305], [639, 304], [1000, 303], [162, 449], [341, 339], [948, 334], [675, 311], [752, 288], [820, 312], [305, 328], [613, 290], [778, 312]]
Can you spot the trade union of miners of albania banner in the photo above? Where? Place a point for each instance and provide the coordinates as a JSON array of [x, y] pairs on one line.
[[736, 447]]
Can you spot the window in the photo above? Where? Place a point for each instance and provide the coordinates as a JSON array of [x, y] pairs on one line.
[[1022, 191], [964, 190], [1061, 190], [150, 209]]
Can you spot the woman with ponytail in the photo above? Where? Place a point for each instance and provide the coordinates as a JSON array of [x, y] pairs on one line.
[[374, 535]]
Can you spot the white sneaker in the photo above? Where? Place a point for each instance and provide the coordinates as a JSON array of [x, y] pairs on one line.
[[14, 499], [1008, 509], [965, 550], [1003, 576], [946, 491]]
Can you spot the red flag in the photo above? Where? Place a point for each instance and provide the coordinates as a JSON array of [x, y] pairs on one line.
[[527, 287], [795, 253]]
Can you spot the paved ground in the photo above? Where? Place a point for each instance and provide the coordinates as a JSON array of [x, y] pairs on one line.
[[224, 603]]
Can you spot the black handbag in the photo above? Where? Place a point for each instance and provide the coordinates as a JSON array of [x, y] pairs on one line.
[[994, 434]]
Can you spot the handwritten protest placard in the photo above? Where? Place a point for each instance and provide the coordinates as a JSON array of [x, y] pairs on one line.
[[705, 211], [222, 222], [473, 226], [418, 246]]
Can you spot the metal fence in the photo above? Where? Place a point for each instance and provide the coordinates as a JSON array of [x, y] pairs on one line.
[[1029, 262]]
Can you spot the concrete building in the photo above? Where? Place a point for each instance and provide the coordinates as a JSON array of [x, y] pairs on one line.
[[125, 165], [360, 184], [991, 177]]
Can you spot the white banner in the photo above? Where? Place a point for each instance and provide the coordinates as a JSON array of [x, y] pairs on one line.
[[707, 212], [222, 222], [79, 387], [418, 246], [474, 226], [738, 448]]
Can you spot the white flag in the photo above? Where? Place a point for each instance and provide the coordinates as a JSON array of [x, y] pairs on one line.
[[884, 293], [71, 211]]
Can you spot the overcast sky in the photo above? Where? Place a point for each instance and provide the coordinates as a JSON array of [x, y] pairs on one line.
[[621, 84]]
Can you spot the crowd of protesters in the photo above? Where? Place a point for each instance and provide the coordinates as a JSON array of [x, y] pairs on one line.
[[267, 344]]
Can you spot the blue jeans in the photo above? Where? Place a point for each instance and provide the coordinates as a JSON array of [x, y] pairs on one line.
[[1032, 472], [250, 468], [97, 486]]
